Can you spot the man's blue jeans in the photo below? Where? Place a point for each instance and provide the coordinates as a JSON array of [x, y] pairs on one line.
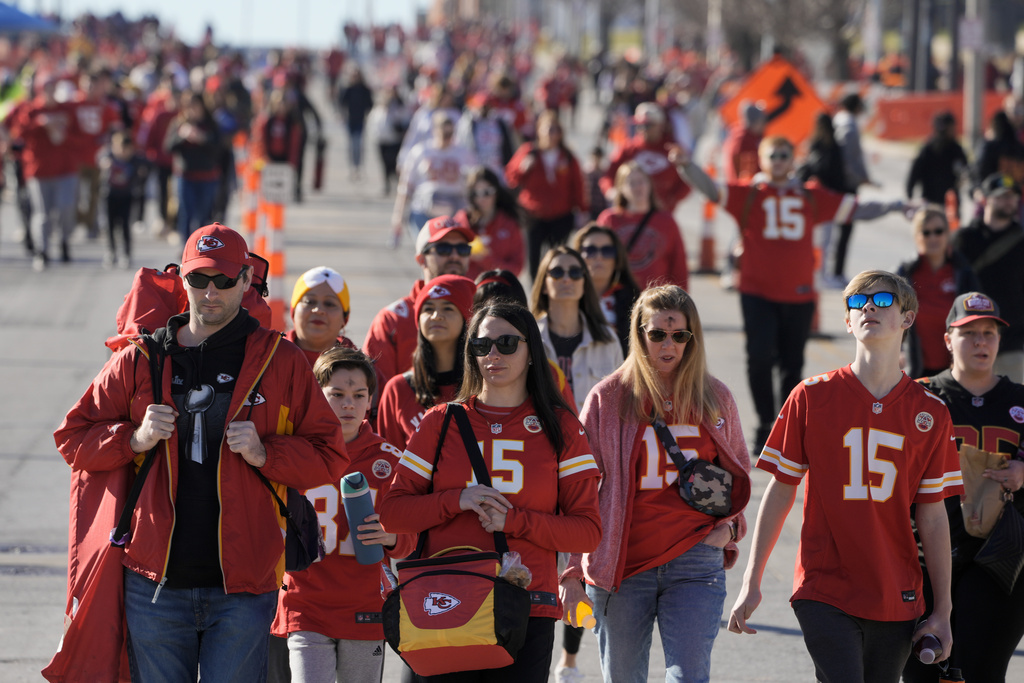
[[188, 631], [685, 595]]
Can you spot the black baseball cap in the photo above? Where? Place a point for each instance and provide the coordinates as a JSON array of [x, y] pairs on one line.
[[999, 182], [973, 306]]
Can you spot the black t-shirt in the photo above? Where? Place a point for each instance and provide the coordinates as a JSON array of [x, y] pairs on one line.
[[194, 560], [993, 422], [564, 348]]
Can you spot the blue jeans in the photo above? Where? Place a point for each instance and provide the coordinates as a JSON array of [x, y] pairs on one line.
[[685, 596], [195, 205], [192, 630]]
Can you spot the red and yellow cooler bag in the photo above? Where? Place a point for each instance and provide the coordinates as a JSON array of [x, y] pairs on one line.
[[452, 612]]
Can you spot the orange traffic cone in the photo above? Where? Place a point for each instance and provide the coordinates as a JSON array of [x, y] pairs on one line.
[[707, 233]]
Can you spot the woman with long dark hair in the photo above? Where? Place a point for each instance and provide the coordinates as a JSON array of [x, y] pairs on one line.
[[659, 558], [491, 211], [571, 323], [442, 309], [544, 493], [606, 259]]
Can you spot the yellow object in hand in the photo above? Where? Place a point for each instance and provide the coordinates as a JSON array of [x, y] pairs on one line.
[[584, 615]]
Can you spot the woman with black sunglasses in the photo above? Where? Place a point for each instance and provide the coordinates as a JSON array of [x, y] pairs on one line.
[[441, 310], [659, 558], [491, 211], [606, 260], [544, 493], [572, 326]]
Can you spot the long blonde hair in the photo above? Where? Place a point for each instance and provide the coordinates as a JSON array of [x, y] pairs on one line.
[[692, 394]]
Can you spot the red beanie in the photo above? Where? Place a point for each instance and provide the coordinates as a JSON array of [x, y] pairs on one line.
[[454, 288]]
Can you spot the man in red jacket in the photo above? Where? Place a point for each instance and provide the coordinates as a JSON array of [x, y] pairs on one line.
[[442, 248], [204, 559], [657, 153]]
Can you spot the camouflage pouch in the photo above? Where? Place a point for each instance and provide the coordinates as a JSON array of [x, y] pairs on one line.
[[703, 485]]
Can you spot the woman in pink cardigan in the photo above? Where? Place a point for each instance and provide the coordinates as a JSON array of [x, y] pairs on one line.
[[659, 558]]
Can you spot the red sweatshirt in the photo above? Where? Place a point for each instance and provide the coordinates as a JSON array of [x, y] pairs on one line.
[[669, 188], [542, 195]]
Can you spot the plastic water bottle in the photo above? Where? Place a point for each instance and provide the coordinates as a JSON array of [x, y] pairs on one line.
[[928, 649], [355, 493], [585, 615]]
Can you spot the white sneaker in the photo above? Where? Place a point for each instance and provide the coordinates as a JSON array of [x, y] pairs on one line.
[[569, 674]]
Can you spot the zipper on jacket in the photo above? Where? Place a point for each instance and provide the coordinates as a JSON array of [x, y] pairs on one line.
[[159, 587]]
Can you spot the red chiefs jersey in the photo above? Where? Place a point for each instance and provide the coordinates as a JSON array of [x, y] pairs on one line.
[[392, 336], [338, 597], [399, 413], [95, 120], [658, 255], [51, 136], [777, 226], [668, 185], [553, 496], [865, 460], [662, 526], [502, 245], [543, 197]]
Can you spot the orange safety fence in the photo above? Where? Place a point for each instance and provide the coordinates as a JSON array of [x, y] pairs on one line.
[[909, 117]]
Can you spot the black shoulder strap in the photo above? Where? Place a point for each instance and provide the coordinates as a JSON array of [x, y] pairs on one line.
[[670, 444], [639, 229], [476, 459], [422, 541], [997, 249], [119, 534]]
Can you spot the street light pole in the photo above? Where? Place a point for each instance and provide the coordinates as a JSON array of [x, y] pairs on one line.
[[974, 74]]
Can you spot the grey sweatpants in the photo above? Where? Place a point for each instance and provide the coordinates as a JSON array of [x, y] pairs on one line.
[[54, 201]]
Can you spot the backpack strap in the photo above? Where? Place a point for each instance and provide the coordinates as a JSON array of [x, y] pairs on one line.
[[119, 535], [639, 229]]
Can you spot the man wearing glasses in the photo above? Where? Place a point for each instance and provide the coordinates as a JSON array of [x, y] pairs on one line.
[[442, 248], [869, 442], [776, 214], [204, 558]]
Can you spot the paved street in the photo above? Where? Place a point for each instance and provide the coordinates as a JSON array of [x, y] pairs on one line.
[[53, 325]]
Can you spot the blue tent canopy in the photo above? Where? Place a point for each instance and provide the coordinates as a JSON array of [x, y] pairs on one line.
[[13, 19]]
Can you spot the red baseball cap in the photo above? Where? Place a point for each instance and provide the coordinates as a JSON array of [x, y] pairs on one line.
[[436, 229], [215, 246]]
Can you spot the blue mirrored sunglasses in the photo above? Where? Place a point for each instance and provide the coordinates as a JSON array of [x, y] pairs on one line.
[[879, 299]]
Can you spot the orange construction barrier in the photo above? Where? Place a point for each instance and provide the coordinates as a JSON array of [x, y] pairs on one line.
[[909, 117], [707, 233], [274, 253], [952, 210]]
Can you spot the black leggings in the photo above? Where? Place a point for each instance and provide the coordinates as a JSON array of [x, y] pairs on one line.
[[987, 626], [847, 649], [842, 246], [571, 637], [544, 233]]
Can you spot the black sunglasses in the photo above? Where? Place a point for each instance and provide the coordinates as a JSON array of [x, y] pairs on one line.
[[446, 248], [220, 280], [506, 344], [558, 272], [879, 299], [779, 156], [486, 192], [932, 233], [607, 251], [678, 336]]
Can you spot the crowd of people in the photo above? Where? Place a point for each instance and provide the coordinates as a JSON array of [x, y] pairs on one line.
[[590, 397]]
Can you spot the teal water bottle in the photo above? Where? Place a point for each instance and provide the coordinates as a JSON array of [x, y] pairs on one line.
[[355, 494]]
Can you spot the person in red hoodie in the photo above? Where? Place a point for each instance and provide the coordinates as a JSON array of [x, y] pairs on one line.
[[493, 214], [658, 155], [161, 108], [442, 248], [550, 185], [49, 132], [326, 612]]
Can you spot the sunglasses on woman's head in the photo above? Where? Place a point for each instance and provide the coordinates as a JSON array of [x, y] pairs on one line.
[[607, 251], [506, 345], [879, 299], [678, 336], [558, 272], [220, 280]]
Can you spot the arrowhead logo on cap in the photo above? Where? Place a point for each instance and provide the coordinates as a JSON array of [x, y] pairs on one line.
[[208, 243], [439, 292]]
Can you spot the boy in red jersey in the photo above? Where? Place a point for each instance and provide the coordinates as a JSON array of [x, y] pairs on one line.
[[330, 612], [870, 442], [776, 214]]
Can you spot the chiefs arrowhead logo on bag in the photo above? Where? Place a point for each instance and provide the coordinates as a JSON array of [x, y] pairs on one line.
[[439, 603]]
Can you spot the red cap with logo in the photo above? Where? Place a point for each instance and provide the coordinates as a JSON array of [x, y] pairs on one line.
[[436, 229], [454, 288], [215, 246]]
